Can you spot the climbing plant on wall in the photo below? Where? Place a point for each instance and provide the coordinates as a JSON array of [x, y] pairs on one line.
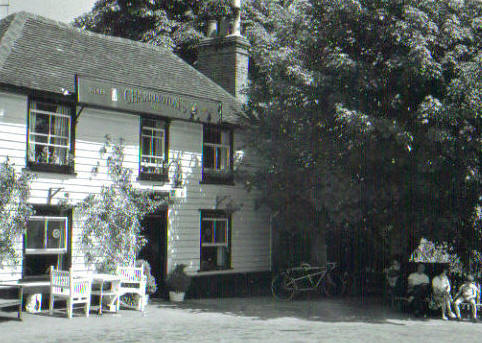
[[14, 210], [110, 219]]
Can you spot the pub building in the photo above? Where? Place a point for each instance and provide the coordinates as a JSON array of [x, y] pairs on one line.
[[62, 90]]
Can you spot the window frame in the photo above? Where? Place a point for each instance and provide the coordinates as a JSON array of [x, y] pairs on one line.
[[217, 175], [67, 168], [62, 260], [163, 175], [45, 250], [216, 215]]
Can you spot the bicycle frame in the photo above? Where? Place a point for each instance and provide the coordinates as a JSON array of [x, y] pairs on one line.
[[314, 276]]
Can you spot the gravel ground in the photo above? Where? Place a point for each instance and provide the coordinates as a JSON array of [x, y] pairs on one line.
[[257, 319]]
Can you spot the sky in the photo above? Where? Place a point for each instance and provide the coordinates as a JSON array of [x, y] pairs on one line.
[[62, 10]]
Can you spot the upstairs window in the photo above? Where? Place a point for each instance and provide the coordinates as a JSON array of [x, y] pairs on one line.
[[153, 152], [217, 154], [49, 137], [215, 240]]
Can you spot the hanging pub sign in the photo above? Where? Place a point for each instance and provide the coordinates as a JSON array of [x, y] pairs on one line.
[[117, 95]]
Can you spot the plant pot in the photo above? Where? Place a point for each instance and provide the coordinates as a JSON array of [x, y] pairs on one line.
[[176, 296]]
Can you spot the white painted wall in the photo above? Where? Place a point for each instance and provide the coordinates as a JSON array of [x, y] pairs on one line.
[[250, 227]]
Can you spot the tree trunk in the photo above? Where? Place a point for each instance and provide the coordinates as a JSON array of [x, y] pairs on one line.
[[318, 248]]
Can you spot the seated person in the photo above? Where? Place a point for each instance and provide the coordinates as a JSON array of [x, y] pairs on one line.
[[393, 279], [418, 288], [467, 293], [441, 293], [393, 273]]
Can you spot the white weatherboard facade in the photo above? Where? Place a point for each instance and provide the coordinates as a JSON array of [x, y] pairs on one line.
[[250, 230]]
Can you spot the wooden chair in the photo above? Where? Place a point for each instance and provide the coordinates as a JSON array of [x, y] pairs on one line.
[[66, 286], [133, 281], [465, 306]]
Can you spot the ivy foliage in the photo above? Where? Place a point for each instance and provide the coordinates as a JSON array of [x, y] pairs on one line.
[[111, 219], [14, 210]]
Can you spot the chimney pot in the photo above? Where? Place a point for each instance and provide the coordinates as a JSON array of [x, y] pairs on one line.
[[212, 29]]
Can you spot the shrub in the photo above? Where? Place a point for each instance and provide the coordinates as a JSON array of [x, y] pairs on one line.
[[111, 218], [14, 210], [178, 280], [151, 286]]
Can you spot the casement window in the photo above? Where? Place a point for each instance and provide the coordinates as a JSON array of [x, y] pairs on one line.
[[217, 154], [215, 240], [47, 240], [49, 137], [153, 150]]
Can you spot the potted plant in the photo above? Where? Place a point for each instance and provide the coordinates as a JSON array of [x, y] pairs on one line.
[[178, 283]]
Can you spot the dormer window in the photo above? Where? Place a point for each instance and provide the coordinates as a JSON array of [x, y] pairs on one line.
[[50, 137], [153, 150], [217, 154]]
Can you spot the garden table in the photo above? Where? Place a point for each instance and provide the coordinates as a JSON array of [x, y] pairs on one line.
[[102, 279], [20, 285]]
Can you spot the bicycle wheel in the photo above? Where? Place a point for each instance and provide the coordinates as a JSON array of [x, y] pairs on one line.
[[333, 285], [283, 287]]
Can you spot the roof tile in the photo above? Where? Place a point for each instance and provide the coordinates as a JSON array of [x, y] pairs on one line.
[[43, 54]]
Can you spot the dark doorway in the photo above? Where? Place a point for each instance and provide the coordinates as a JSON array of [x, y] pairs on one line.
[[154, 228]]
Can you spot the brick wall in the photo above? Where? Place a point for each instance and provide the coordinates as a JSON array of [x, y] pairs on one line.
[[225, 60]]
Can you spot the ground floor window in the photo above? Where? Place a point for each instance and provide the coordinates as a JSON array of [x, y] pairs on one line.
[[46, 241], [215, 240]]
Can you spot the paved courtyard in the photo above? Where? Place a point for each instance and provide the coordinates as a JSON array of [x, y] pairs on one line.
[[256, 319]]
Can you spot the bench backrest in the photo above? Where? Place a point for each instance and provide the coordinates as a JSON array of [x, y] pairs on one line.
[[65, 283], [132, 279]]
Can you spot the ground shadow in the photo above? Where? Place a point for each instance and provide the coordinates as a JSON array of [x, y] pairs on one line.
[[8, 315], [346, 309]]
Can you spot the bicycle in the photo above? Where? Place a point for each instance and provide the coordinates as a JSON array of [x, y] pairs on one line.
[[307, 278]]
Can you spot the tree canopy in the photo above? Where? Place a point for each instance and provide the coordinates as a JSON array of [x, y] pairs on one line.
[[369, 112], [173, 24]]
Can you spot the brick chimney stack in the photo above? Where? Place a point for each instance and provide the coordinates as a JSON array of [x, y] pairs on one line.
[[223, 55]]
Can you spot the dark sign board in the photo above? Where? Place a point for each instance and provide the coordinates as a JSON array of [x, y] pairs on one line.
[[116, 95]]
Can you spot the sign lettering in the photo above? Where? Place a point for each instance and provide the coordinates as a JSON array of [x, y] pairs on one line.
[[117, 95]]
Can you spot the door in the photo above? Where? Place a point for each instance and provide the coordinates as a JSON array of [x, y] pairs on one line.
[[154, 229]]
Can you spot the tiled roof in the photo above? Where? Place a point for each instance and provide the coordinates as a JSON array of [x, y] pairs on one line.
[[41, 54]]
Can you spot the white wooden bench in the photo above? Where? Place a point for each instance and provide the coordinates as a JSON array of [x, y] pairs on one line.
[[74, 290], [132, 281]]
